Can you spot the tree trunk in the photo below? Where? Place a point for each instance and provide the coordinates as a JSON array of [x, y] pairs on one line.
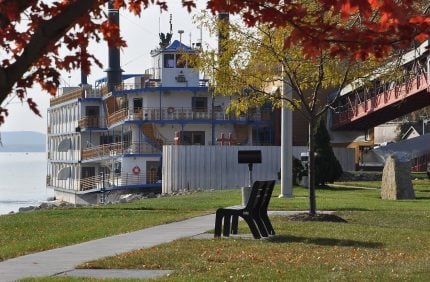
[[311, 169]]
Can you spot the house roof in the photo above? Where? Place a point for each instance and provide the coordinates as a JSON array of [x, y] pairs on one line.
[[408, 148], [411, 130]]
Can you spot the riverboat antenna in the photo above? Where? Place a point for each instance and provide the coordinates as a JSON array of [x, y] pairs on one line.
[[170, 22], [180, 35]]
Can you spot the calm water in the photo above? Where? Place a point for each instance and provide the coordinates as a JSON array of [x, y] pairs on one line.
[[22, 180]]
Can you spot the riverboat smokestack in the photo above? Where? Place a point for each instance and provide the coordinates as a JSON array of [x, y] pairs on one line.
[[114, 69], [84, 75]]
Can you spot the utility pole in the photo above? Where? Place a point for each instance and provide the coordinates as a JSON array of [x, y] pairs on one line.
[[286, 142]]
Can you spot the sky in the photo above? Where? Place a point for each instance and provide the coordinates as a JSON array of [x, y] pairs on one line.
[[141, 35]]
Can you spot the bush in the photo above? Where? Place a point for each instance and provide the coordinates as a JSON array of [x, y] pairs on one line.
[[327, 167]]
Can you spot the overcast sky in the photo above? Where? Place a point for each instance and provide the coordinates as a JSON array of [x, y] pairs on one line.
[[141, 35]]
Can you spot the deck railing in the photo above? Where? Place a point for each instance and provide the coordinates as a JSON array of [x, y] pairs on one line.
[[181, 113], [115, 149], [108, 181], [74, 94], [117, 116], [90, 122], [148, 83]]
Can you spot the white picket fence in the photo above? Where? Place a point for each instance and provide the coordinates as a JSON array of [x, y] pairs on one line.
[[187, 168]]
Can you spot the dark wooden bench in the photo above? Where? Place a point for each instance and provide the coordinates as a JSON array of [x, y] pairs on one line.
[[254, 213]]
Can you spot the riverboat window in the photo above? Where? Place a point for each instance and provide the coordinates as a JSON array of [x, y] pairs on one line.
[[192, 138], [191, 61], [169, 60], [180, 61], [137, 104], [199, 104], [106, 139], [92, 111], [88, 172]]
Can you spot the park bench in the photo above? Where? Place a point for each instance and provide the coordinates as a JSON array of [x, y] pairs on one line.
[[254, 213]]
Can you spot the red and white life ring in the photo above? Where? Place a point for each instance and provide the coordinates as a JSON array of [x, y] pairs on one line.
[[170, 110], [136, 170]]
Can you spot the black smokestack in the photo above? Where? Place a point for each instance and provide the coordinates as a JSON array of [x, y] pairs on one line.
[[84, 80], [84, 76], [114, 69]]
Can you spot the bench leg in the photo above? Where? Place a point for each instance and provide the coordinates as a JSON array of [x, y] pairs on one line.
[[252, 226], [226, 230], [234, 224], [218, 222], [267, 223], [261, 226]]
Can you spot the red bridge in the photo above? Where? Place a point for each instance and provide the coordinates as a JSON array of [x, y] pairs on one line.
[[363, 107], [360, 110]]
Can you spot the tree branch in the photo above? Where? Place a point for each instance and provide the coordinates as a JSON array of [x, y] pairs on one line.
[[49, 32]]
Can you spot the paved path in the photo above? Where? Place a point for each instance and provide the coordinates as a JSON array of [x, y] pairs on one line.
[[64, 260]]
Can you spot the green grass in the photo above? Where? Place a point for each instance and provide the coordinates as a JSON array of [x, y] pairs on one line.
[[29, 232], [382, 241]]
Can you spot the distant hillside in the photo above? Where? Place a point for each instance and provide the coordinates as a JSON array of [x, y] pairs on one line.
[[22, 141]]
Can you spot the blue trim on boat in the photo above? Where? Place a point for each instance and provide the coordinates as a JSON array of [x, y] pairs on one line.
[[158, 89], [124, 187], [148, 155]]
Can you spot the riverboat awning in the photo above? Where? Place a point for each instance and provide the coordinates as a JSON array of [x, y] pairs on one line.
[[65, 145], [64, 173]]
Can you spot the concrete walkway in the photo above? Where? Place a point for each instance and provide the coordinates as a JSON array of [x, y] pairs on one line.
[[62, 261]]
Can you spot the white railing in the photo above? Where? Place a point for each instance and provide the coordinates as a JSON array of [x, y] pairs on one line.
[[182, 113], [109, 181], [115, 149]]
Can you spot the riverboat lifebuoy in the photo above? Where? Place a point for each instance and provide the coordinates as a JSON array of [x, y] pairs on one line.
[[170, 110], [136, 170]]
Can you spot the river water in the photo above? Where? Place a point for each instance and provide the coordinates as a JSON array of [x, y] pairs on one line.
[[22, 181]]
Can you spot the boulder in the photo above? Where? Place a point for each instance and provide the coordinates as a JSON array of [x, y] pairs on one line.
[[26, 209], [396, 180]]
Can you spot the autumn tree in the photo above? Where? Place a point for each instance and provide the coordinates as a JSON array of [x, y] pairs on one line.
[[33, 31], [260, 59], [349, 30], [345, 28]]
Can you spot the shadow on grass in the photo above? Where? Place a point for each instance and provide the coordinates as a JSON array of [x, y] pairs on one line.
[[351, 209], [138, 209], [324, 241], [344, 188]]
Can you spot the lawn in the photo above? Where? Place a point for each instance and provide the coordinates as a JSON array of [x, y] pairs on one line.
[[382, 241], [29, 232]]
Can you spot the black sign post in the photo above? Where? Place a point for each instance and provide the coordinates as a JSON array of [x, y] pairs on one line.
[[249, 157]]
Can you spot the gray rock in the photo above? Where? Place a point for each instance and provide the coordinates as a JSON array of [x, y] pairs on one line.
[[26, 209], [396, 180], [45, 206]]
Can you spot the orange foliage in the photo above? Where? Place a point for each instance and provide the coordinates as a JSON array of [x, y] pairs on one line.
[[30, 32]]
